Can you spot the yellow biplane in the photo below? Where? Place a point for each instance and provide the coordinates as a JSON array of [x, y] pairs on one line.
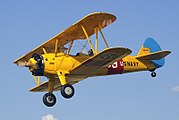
[[54, 60]]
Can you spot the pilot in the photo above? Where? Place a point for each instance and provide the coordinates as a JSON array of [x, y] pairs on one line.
[[90, 52]]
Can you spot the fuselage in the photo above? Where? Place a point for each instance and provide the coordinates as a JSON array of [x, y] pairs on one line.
[[65, 63]]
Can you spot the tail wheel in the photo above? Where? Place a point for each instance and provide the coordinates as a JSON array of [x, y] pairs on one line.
[[67, 91], [49, 99], [153, 74]]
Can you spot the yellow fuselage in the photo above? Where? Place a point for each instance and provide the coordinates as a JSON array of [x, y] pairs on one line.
[[65, 63], [61, 62]]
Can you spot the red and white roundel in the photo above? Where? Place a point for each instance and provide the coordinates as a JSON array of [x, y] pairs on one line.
[[116, 67]]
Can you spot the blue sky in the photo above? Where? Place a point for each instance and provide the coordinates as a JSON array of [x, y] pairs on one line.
[[136, 96]]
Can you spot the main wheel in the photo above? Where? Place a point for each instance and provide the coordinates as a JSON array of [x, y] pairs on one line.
[[49, 99], [67, 91], [153, 74]]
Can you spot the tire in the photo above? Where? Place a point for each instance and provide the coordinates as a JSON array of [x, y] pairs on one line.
[[49, 99], [153, 74], [67, 91]]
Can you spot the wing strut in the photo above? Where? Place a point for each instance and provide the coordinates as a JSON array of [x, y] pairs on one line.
[[56, 47], [100, 28], [69, 49], [45, 52], [96, 31], [89, 41], [37, 79]]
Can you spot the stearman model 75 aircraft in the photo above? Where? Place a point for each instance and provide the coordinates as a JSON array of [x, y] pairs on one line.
[[54, 60]]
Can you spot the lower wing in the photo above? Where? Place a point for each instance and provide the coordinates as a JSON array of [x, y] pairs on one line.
[[57, 85], [91, 66]]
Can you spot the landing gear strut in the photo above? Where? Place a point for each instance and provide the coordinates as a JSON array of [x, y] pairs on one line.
[[153, 74], [49, 99], [67, 90]]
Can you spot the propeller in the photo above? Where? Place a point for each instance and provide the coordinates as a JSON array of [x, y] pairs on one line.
[[21, 63], [35, 64], [25, 64]]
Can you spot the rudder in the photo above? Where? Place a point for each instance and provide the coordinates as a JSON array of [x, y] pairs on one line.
[[151, 46]]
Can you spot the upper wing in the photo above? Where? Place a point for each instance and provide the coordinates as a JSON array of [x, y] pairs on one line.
[[91, 66], [89, 22]]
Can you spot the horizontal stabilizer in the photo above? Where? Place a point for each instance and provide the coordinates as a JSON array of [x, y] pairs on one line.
[[154, 56]]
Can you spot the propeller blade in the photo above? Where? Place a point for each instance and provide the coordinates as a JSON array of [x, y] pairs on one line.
[[21, 63]]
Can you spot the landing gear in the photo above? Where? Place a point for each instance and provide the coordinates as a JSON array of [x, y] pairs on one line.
[[67, 91], [153, 74], [49, 99]]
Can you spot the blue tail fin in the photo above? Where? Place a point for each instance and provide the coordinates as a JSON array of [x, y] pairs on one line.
[[154, 47]]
